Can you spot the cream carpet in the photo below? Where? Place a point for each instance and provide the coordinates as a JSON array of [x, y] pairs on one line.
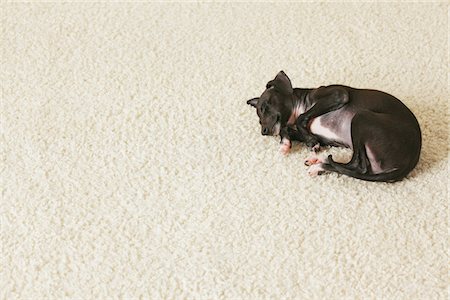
[[133, 168]]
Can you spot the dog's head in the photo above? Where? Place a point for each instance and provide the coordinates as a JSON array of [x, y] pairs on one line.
[[274, 106]]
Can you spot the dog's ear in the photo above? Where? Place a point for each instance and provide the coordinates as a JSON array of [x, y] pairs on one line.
[[282, 83], [253, 102]]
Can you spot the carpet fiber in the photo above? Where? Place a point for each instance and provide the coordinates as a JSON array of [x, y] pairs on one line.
[[132, 166]]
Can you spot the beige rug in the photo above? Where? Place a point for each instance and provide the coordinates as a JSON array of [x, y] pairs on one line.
[[133, 168]]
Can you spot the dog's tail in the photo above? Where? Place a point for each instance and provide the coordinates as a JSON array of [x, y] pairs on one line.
[[390, 176]]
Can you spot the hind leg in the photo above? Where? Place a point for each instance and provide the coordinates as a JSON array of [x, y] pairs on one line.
[[364, 128], [361, 131]]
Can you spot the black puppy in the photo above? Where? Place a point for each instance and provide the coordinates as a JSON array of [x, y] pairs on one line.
[[382, 132]]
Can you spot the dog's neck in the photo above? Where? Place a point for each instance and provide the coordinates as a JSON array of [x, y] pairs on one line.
[[299, 103]]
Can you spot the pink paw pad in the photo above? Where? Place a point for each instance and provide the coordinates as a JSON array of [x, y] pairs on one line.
[[312, 161]]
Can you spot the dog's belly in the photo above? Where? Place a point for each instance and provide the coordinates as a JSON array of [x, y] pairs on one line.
[[333, 129]]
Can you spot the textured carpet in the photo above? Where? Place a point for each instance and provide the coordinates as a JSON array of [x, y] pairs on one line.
[[132, 166]]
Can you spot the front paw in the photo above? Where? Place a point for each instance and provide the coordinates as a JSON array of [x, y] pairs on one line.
[[315, 148], [285, 146]]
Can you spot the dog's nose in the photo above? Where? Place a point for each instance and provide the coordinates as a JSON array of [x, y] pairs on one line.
[[265, 131]]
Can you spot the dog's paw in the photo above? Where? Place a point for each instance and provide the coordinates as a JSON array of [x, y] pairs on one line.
[[285, 146], [315, 148], [315, 170], [312, 161]]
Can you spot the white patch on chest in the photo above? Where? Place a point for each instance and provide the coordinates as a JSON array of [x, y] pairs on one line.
[[297, 111], [317, 128]]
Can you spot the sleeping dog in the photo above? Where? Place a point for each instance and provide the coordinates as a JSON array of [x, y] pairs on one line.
[[382, 132]]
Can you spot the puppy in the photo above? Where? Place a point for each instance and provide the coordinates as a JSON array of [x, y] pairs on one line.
[[382, 132]]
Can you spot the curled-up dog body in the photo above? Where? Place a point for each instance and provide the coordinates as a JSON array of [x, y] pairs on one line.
[[382, 132]]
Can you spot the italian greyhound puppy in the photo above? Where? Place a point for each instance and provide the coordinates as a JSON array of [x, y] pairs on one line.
[[382, 132]]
